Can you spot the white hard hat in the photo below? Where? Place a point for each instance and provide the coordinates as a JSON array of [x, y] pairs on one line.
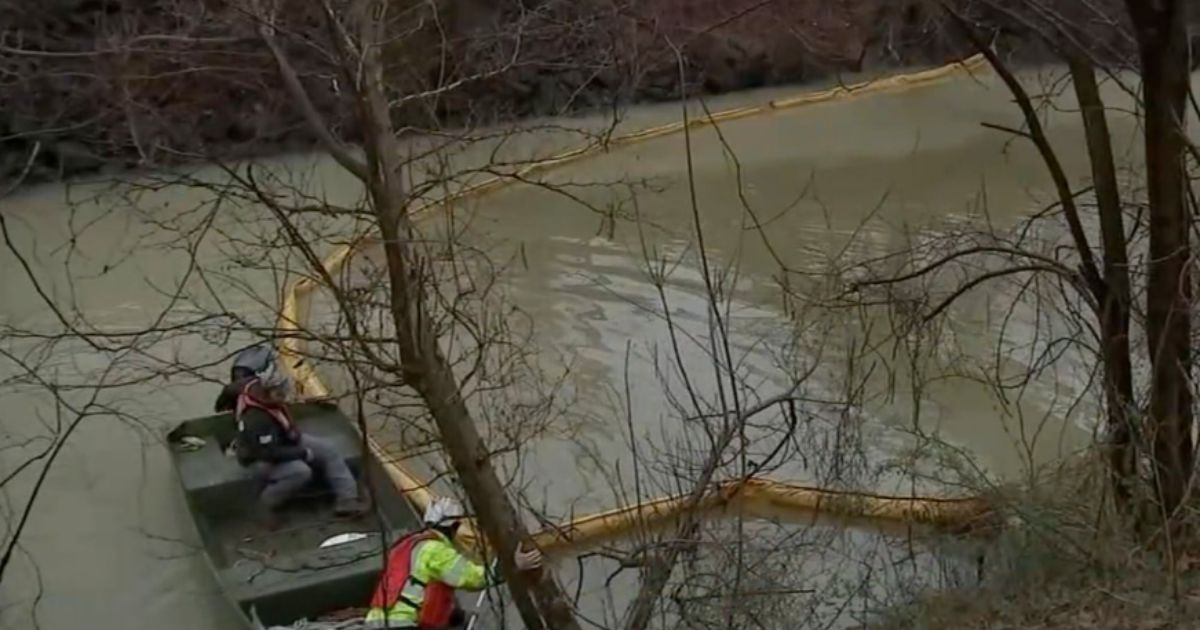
[[442, 510]]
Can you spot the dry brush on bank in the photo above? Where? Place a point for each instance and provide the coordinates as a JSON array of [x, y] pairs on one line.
[[1104, 279], [104, 84]]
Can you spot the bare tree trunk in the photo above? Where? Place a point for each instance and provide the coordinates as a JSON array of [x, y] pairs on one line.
[[1115, 299], [1162, 42], [429, 372], [1036, 134], [660, 565], [538, 597]]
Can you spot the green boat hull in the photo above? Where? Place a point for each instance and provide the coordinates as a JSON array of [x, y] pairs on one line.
[[282, 575]]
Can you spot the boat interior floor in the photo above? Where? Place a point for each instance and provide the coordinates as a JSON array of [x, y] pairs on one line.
[[301, 526], [307, 562]]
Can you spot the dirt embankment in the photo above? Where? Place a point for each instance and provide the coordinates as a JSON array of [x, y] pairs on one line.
[[97, 84]]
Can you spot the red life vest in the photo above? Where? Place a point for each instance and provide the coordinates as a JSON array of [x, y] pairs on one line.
[[435, 608], [246, 400]]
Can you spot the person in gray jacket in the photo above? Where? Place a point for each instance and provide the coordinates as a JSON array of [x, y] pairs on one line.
[[282, 457], [246, 364]]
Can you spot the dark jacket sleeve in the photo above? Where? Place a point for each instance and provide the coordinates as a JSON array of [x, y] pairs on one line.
[[261, 439], [227, 399]]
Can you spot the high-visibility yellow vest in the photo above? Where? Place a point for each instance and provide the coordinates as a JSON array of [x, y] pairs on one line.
[[434, 559]]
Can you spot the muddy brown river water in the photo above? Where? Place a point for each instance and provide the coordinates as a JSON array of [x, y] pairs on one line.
[[108, 544]]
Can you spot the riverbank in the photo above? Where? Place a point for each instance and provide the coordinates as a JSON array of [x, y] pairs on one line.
[[1063, 561], [1077, 601], [170, 84]]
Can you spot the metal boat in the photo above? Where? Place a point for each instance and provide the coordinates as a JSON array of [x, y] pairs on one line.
[[311, 565]]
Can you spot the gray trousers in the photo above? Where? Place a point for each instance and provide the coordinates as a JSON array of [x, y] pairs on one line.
[[282, 481]]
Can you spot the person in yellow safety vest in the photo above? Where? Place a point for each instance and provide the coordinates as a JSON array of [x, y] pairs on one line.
[[416, 589]]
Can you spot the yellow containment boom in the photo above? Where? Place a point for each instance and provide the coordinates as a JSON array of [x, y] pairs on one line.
[[754, 496], [764, 498]]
